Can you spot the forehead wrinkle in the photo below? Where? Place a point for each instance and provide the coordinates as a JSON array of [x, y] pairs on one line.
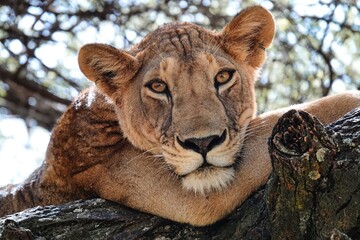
[[181, 41]]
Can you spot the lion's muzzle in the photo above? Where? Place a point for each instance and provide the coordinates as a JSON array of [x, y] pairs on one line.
[[204, 163]]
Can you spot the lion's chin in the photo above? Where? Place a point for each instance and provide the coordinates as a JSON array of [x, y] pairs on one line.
[[209, 179]]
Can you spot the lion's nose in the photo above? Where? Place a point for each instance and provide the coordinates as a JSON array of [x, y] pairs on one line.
[[202, 145]]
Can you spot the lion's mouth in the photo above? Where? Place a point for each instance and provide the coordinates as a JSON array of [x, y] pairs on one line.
[[207, 167], [208, 178]]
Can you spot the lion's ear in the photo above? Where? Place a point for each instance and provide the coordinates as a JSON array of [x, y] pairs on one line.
[[248, 34], [107, 66]]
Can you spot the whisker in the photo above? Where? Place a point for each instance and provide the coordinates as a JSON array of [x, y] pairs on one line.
[[157, 52], [257, 128], [216, 48], [144, 153]]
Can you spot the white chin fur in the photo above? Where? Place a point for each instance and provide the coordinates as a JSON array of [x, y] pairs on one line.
[[206, 180]]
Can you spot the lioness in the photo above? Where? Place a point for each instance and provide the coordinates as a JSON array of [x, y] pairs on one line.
[[170, 128]]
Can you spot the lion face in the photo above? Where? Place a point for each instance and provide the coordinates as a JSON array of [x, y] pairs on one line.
[[187, 94], [197, 109]]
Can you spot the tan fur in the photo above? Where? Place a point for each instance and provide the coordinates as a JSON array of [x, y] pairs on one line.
[[126, 143]]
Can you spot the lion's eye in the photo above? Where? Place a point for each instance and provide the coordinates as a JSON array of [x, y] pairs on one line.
[[223, 77], [157, 86]]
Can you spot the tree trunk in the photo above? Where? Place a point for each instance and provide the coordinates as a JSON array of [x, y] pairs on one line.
[[313, 193], [315, 185]]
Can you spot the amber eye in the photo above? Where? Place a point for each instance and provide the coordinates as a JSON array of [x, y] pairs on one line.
[[157, 86], [223, 77]]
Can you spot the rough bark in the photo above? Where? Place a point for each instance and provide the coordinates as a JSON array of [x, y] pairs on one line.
[[315, 185], [313, 193]]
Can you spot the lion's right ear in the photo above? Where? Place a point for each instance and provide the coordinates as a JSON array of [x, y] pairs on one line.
[[248, 35], [107, 66]]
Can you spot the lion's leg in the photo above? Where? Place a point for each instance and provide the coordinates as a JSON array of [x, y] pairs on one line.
[[326, 109]]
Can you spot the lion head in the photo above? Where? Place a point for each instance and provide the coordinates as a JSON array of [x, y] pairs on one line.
[[187, 94]]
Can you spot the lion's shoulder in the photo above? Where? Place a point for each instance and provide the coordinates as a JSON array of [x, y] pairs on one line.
[[86, 130]]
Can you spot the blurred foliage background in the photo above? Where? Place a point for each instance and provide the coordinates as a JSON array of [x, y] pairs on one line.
[[316, 50]]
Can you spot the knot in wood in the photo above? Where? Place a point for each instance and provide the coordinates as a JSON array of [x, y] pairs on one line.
[[291, 135]]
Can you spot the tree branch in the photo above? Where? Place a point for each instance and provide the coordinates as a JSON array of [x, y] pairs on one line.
[[314, 193]]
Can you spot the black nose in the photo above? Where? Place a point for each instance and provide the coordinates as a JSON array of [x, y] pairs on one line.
[[203, 145]]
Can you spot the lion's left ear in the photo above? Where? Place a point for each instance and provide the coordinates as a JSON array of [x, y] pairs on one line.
[[248, 34], [108, 67]]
